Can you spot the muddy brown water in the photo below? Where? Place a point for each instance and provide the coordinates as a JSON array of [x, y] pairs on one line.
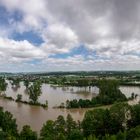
[[36, 116]]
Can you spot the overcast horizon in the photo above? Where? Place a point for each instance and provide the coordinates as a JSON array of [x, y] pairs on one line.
[[60, 35]]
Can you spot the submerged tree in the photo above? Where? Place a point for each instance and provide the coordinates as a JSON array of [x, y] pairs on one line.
[[110, 89], [34, 91], [19, 97], [26, 83], [15, 82]]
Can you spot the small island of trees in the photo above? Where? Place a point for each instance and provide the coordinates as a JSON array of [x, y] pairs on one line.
[[109, 93]]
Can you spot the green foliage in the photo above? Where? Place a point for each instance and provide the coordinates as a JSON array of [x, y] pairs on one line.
[[109, 94], [27, 133], [134, 133], [15, 82], [60, 125], [46, 104], [70, 124], [19, 97], [101, 121], [91, 137], [121, 135], [48, 131], [83, 82], [3, 135], [135, 116], [26, 83], [96, 122], [34, 91], [75, 135], [60, 129], [7, 123], [120, 115], [3, 84]]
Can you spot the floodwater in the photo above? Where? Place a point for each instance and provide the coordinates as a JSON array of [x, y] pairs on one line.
[[128, 90], [36, 116], [53, 94]]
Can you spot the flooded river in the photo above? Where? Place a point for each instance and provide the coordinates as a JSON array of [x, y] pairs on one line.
[[36, 116], [55, 95]]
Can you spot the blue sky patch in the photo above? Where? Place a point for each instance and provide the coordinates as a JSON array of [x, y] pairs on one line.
[[6, 17], [31, 36]]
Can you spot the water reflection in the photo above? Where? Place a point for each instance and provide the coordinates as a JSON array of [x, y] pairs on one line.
[[128, 90]]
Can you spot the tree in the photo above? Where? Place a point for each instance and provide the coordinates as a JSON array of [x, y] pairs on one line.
[[46, 104], [120, 114], [109, 90], [27, 133], [48, 132], [7, 123], [108, 137], [26, 83], [34, 92], [91, 137], [3, 84], [121, 135], [134, 134], [83, 82], [19, 97], [60, 125], [15, 82], [109, 94], [61, 137], [76, 135], [132, 96], [70, 124], [3, 135], [135, 116], [96, 122]]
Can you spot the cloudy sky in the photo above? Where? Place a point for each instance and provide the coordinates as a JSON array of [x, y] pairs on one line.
[[69, 35]]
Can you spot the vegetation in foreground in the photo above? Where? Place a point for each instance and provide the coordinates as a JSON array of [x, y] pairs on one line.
[[120, 122]]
